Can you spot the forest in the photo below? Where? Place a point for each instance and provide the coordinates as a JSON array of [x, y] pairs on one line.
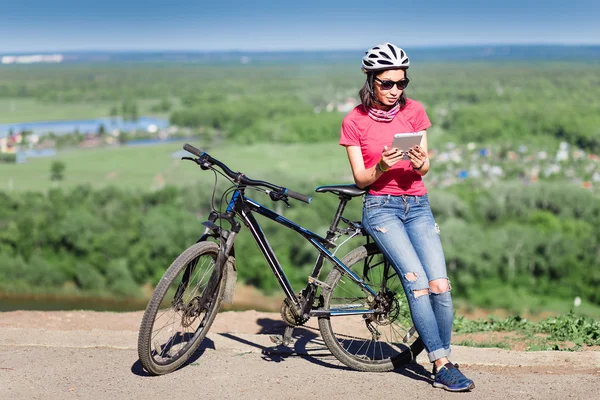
[[514, 184]]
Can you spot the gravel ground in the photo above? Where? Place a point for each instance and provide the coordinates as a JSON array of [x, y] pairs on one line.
[[93, 355]]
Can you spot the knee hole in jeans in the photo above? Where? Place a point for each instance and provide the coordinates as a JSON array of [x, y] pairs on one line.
[[439, 286]]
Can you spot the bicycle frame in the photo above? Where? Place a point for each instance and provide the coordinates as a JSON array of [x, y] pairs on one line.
[[244, 208]]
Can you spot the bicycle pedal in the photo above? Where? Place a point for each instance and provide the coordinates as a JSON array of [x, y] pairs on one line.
[[277, 339]]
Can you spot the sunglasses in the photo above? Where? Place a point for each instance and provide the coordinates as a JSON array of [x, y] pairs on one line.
[[388, 85]]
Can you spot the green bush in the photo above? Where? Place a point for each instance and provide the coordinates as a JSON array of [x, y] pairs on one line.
[[500, 244], [8, 158]]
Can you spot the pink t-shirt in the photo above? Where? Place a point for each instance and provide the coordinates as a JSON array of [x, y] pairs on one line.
[[358, 129]]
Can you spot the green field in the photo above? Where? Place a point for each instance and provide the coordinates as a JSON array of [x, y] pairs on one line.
[[152, 167], [13, 110]]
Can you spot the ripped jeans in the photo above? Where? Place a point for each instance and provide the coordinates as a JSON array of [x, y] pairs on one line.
[[404, 229]]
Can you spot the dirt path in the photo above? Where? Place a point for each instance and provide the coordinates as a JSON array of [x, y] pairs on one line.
[[93, 355]]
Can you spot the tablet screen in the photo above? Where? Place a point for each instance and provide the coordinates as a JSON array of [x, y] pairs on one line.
[[404, 141]]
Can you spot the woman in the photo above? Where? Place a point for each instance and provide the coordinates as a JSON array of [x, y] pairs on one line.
[[396, 209]]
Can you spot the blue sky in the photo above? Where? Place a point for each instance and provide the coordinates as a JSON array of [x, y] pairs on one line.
[[67, 25]]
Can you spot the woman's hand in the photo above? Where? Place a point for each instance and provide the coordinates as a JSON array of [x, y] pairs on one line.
[[417, 156], [389, 157]]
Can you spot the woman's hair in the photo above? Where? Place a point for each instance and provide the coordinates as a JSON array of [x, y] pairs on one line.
[[367, 92]]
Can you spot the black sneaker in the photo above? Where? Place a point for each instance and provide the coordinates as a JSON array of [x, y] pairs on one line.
[[450, 378]]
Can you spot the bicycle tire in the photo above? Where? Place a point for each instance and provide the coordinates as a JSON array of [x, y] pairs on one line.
[[195, 312], [355, 339]]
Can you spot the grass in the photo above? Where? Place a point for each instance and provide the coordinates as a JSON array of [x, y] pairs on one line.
[[561, 332], [30, 110], [531, 306], [472, 343], [151, 167]]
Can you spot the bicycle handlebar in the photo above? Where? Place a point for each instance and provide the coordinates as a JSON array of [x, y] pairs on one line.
[[241, 178], [298, 196], [191, 149]]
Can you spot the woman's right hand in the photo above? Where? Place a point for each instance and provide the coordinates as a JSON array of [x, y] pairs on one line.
[[389, 157]]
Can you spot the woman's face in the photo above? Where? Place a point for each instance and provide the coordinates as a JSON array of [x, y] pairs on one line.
[[388, 97]]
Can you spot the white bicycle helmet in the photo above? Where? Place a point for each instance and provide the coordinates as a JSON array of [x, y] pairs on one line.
[[384, 56]]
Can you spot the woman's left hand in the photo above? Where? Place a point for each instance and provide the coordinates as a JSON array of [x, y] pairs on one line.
[[417, 156]]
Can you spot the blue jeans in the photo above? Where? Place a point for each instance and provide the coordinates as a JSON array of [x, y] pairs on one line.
[[404, 229]]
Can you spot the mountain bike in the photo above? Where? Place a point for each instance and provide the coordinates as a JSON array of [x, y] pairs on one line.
[[362, 310]]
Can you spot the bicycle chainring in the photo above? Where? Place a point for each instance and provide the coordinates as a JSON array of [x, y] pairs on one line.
[[290, 316]]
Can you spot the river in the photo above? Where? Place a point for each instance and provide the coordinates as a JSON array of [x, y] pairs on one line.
[[84, 126]]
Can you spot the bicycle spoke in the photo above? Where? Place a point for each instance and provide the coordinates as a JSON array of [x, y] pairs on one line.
[[181, 310], [373, 340]]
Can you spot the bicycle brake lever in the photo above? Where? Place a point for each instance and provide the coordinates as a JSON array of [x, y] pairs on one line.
[[278, 196], [203, 164]]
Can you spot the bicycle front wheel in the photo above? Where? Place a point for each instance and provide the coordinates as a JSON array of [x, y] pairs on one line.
[[182, 309], [368, 332]]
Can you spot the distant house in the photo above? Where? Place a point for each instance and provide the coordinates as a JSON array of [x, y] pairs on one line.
[[91, 140], [8, 145]]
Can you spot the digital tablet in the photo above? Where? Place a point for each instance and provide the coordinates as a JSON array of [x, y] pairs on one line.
[[404, 141]]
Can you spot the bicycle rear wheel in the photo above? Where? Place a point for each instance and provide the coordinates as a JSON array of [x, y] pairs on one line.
[[182, 309], [370, 341]]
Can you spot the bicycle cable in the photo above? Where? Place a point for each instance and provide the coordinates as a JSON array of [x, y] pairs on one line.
[[357, 232], [235, 186]]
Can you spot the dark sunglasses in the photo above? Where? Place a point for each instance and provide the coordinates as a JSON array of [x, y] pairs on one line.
[[388, 85]]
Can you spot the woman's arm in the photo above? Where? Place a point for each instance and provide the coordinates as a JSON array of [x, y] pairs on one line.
[[364, 177]]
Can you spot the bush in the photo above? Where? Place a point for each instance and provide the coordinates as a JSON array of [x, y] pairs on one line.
[[8, 158]]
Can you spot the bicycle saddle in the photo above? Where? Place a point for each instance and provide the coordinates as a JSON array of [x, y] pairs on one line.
[[348, 190]]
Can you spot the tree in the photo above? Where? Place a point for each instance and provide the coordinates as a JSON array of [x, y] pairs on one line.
[[57, 171], [129, 110]]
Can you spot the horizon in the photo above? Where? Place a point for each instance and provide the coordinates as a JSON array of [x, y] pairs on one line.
[[296, 50]]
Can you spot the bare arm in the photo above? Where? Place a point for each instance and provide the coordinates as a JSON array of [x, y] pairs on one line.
[[364, 177]]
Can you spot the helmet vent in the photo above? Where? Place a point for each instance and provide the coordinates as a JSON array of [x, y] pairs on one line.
[[394, 51]]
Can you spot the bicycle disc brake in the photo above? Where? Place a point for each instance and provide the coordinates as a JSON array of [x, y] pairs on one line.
[[387, 309], [191, 311]]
